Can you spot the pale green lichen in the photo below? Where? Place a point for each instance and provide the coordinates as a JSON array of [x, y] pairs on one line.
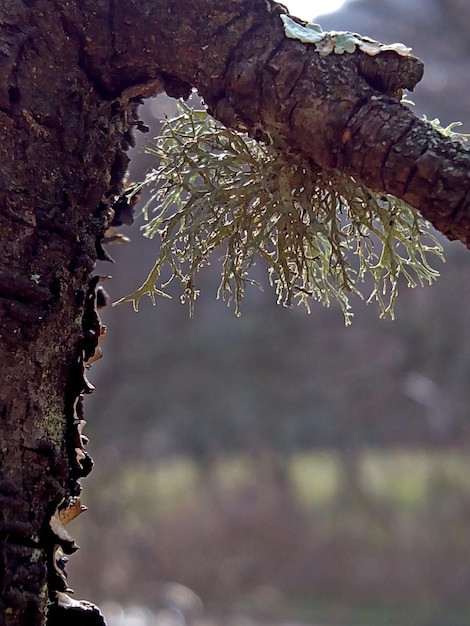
[[306, 33], [448, 131], [320, 234], [338, 42]]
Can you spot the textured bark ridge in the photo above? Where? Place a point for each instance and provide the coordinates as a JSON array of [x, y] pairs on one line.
[[63, 160], [71, 75]]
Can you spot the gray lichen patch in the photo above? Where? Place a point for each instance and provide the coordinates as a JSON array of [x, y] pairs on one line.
[[337, 42]]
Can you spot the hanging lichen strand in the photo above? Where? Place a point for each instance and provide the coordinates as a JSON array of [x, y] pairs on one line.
[[322, 235]]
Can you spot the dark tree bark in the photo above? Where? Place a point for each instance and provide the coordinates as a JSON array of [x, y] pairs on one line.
[[71, 74], [61, 161]]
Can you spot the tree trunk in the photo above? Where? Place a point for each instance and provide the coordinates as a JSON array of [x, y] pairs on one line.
[[70, 73], [62, 163]]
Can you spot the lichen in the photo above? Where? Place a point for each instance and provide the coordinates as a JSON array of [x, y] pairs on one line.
[[320, 234], [337, 42]]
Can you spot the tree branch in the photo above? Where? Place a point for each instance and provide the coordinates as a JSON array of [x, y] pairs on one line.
[[342, 111]]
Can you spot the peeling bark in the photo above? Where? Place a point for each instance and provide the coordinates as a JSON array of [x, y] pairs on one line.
[[71, 76]]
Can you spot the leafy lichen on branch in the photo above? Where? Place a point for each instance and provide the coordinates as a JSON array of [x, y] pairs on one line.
[[337, 42], [320, 234]]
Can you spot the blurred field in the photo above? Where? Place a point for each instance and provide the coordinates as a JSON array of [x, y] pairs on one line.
[[352, 538], [405, 478]]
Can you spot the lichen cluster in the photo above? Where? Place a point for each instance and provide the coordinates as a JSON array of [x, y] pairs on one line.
[[337, 42], [322, 236]]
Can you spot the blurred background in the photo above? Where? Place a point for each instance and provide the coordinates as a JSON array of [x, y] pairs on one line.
[[279, 468]]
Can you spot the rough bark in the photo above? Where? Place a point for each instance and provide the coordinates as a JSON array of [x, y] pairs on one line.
[[61, 163], [340, 110], [69, 76]]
